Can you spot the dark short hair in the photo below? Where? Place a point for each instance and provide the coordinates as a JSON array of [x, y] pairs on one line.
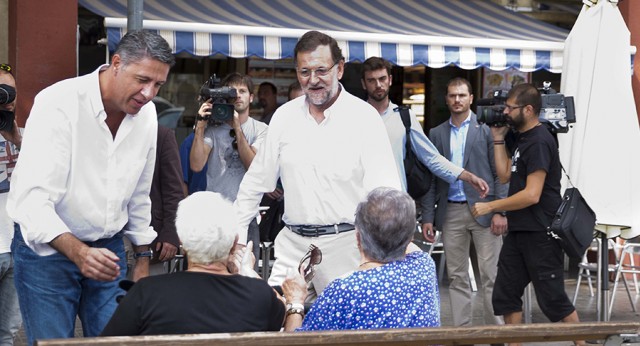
[[136, 45], [293, 86], [312, 39], [459, 81], [271, 86], [526, 94], [375, 63], [237, 78], [386, 221]]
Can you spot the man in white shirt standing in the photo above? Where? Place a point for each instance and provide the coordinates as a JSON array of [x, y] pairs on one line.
[[82, 183], [330, 149]]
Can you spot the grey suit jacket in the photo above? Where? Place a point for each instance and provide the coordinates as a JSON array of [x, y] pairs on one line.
[[478, 159]]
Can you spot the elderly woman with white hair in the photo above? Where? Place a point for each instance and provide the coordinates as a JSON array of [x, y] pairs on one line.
[[392, 287], [208, 297]]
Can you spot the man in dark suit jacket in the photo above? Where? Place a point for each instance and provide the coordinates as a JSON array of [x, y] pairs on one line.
[[469, 145], [166, 191]]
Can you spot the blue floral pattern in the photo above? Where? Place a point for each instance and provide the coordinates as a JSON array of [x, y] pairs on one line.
[[401, 294]]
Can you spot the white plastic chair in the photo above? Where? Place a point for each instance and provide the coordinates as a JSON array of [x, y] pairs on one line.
[[629, 249], [589, 270]]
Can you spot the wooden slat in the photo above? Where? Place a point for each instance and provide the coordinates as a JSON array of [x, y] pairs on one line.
[[537, 332]]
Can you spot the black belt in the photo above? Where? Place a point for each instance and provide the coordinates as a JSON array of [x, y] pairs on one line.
[[316, 231], [457, 202]]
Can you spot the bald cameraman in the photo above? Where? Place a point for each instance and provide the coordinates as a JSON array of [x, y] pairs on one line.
[[228, 147]]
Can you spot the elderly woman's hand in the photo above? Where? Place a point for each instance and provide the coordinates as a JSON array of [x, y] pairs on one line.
[[243, 261], [294, 288]]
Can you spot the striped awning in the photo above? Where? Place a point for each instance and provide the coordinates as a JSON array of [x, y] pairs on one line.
[[436, 33]]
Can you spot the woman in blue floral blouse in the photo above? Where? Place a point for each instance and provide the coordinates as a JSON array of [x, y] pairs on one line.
[[390, 289]]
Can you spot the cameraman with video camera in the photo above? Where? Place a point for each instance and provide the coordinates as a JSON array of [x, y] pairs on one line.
[[10, 142], [533, 172], [227, 140]]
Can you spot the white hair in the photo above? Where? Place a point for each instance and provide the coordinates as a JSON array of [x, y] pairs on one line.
[[207, 225]]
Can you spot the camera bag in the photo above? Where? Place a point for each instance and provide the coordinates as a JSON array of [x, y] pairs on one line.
[[573, 223], [418, 175]]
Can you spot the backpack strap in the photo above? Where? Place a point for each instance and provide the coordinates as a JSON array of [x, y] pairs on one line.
[[406, 120]]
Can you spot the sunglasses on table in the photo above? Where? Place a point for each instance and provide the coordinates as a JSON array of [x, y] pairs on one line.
[[312, 258]]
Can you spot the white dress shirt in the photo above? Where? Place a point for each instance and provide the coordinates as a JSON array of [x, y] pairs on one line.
[[326, 169], [73, 176]]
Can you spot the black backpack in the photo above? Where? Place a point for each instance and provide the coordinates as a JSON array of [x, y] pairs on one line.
[[418, 175]]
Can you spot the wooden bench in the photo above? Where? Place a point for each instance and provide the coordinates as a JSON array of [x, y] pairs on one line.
[[613, 332]]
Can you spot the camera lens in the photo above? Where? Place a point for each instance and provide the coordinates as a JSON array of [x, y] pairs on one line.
[[6, 120], [7, 94]]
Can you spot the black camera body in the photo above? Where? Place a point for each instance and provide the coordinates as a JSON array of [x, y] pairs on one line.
[[221, 98], [7, 95], [557, 111]]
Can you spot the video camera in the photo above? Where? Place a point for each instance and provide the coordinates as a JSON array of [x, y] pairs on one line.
[[7, 95], [221, 97], [557, 111]]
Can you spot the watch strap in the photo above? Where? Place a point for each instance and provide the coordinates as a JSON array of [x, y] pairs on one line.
[[148, 253]]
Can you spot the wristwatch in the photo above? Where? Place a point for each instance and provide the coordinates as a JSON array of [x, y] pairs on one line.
[[148, 253], [295, 308], [503, 213]]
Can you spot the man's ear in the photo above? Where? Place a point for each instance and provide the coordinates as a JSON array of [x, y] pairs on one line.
[[358, 238], [116, 62]]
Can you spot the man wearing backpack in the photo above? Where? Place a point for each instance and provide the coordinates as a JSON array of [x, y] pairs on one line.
[[376, 80]]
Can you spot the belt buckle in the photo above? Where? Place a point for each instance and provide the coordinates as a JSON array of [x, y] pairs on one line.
[[313, 229]]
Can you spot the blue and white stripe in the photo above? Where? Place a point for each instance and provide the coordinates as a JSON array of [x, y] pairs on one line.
[[436, 33]]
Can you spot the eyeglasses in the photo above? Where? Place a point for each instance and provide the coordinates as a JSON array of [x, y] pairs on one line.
[[320, 71], [232, 134], [6, 67], [511, 108], [312, 258]]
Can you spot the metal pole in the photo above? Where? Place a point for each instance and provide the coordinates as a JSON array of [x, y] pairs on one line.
[[602, 300], [528, 297], [134, 14]]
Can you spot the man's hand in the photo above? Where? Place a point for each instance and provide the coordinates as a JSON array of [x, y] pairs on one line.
[[166, 251], [480, 209], [428, 232], [94, 263], [498, 224], [97, 263], [14, 136], [276, 194], [499, 132], [478, 183], [204, 111]]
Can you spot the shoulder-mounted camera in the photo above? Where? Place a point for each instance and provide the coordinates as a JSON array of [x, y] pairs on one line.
[[222, 99]]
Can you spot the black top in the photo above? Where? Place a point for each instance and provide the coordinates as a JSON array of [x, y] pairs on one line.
[[189, 302], [534, 150]]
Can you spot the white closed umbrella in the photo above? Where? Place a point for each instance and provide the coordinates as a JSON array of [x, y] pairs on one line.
[[599, 153]]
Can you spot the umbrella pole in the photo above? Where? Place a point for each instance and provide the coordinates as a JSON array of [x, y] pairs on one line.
[[602, 301]]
